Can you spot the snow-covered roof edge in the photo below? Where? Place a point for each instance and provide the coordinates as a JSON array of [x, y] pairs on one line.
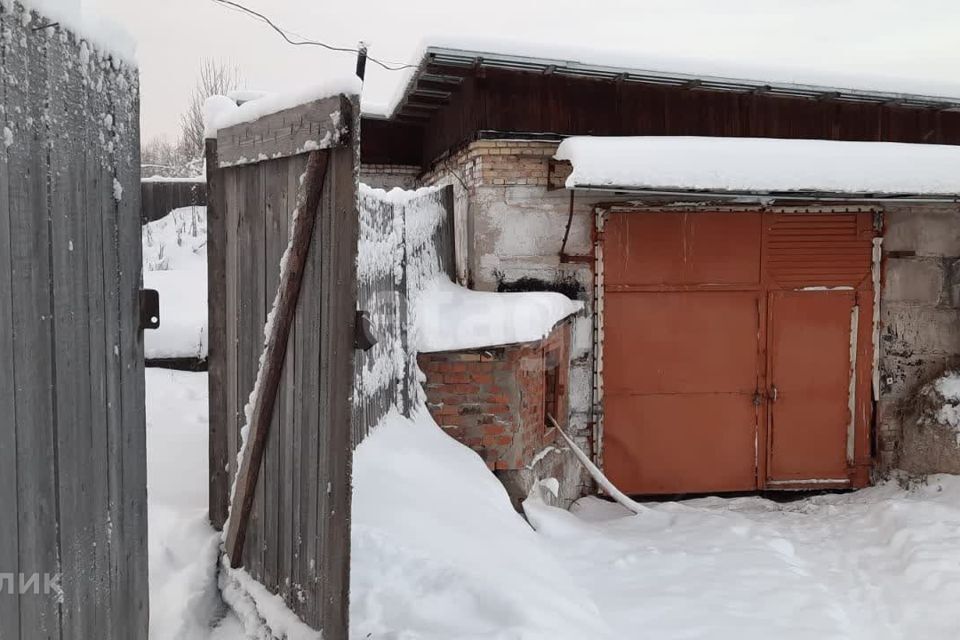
[[572, 61], [761, 166], [221, 112], [105, 35]]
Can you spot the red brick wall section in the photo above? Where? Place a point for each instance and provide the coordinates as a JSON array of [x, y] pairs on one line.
[[492, 400]]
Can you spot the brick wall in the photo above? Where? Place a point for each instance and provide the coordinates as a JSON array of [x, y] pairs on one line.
[[503, 163], [389, 176], [492, 400]]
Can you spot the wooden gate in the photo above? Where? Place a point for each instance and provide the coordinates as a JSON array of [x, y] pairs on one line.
[[295, 539], [737, 350], [73, 512]]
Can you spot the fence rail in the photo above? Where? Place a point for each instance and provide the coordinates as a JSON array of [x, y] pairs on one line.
[[160, 197]]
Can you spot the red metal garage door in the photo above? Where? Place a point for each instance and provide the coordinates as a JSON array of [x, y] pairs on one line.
[[728, 353]]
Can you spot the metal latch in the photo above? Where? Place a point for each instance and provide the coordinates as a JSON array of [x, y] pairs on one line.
[[149, 309], [364, 337]]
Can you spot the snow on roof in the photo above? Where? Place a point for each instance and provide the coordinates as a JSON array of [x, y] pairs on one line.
[[78, 17], [452, 318], [761, 165], [221, 112], [854, 82]]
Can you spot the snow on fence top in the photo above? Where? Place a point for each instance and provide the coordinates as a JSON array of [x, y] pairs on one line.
[[76, 16], [761, 165], [452, 318], [222, 112]]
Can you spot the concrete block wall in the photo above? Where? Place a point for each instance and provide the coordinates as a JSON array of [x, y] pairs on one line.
[[920, 331]]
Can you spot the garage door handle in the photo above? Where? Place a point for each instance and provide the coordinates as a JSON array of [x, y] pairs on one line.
[[774, 394]]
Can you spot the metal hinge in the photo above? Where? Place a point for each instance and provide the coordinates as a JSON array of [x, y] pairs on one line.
[[364, 337], [149, 309]]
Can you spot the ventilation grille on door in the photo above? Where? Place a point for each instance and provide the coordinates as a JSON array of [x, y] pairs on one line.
[[808, 250]]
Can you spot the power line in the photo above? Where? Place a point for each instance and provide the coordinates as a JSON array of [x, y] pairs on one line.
[[302, 41]]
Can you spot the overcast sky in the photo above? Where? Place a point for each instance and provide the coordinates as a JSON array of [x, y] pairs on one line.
[[918, 40]]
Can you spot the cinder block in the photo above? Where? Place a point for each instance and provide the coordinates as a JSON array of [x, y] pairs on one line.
[[919, 281], [912, 330], [926, 230]]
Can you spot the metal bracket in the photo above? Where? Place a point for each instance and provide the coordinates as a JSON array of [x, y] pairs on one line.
[[364, 337], [149, 309]]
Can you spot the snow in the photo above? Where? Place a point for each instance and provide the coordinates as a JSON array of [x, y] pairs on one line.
[[184, 601], [157, 178], [876, 564], [264, 615], [436, 560], [451, 317], [942, 403], [84, 21], [760, 165], [175, 264], [221, 112], [7, 137], [117, 190]]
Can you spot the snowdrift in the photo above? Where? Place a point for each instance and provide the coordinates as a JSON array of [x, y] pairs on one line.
[[439, 553]]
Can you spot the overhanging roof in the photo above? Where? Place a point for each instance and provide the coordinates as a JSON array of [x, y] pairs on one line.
[[718, 167], [442, 69]]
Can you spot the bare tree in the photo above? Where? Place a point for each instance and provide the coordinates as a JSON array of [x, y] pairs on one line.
[[216, 78], [160, 157]]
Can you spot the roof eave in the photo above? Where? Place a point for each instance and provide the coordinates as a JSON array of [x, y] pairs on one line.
[[769, 196]]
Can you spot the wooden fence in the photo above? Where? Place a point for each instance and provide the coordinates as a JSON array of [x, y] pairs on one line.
[[402, 242], [297, 536], [73, 545], [160, 197]]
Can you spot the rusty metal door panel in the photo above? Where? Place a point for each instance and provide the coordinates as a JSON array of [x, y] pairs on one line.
[[681, 371], [681, 342], [723, 248], [702, 249], [804, 250], [681, 443], [809, 392], [643, 249]]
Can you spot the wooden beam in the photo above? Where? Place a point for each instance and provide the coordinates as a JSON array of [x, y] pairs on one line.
[[308, 127], [218, 455], [426, 99], [275, 349]]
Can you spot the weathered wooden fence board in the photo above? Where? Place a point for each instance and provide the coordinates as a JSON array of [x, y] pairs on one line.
[[9, 498], [389, 228], [72, 449], [298, 533], [160, 197], [320, 124]]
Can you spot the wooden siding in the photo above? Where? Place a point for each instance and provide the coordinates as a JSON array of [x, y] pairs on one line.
[[160, 197], [72, 444], [522, 102], [297, 544]]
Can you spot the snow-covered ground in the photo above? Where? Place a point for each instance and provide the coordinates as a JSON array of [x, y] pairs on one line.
[[883, 563], [175, 264], [184, 603], [438, 553]]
